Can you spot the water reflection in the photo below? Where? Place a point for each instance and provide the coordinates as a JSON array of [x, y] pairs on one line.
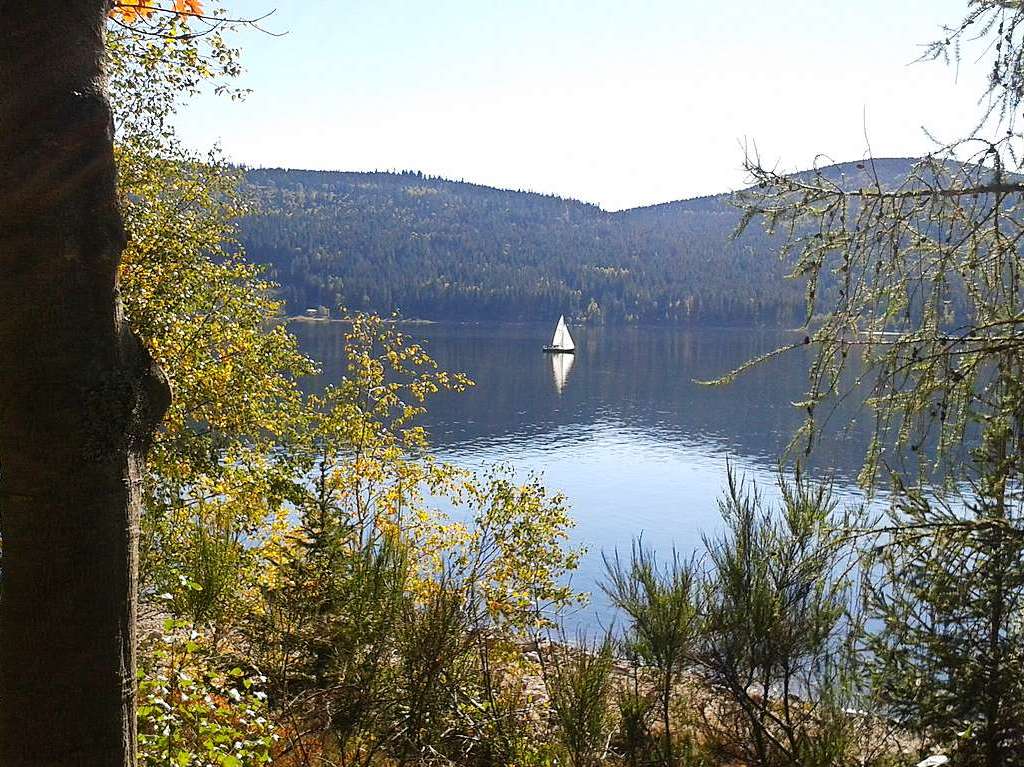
[[561, 364], [638, 380]]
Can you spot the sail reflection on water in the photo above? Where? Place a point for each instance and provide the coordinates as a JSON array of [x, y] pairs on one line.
[[561, 364]]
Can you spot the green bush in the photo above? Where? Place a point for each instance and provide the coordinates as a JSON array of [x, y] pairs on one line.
[[579, 682], [192, 712], [663, 622]]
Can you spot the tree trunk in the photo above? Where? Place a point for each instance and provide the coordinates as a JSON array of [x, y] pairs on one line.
[[79, 399]]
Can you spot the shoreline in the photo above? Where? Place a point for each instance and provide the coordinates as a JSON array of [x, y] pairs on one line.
[[658, 326], [339, 321]]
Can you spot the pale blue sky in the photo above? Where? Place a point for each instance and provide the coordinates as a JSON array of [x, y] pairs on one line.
[[617, 103]]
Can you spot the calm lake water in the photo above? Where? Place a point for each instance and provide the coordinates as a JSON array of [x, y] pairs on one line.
[[621, 428]]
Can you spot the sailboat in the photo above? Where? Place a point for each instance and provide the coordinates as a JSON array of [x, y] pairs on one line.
[[561, 343]]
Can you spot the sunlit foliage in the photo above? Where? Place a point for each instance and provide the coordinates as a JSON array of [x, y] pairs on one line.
[[193, 710], [208, 319], [299, 534], [141, 10]]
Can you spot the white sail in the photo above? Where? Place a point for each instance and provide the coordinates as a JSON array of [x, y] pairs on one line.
[[562, 339], [561, 364]]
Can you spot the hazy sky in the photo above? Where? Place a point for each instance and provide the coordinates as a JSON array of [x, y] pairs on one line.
[[618, 103]]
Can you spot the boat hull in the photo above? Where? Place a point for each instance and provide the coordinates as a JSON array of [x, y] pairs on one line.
[[556, 350]]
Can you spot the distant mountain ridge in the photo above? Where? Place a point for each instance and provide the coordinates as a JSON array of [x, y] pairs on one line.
[[451, 250]]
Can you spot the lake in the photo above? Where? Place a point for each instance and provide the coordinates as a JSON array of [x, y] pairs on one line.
[[621, 428]]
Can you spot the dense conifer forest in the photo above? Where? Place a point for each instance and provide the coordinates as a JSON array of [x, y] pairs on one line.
[[438, 249]]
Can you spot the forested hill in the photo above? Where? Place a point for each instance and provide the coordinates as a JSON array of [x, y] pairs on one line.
[[438, 249]]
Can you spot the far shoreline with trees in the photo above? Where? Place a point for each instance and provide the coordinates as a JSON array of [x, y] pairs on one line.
[[441, 250]]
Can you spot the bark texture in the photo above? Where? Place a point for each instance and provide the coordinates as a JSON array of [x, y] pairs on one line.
[[79, 399]]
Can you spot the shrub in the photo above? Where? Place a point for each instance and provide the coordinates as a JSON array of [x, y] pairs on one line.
[[659, 603], [579, 683], [192, 712]]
